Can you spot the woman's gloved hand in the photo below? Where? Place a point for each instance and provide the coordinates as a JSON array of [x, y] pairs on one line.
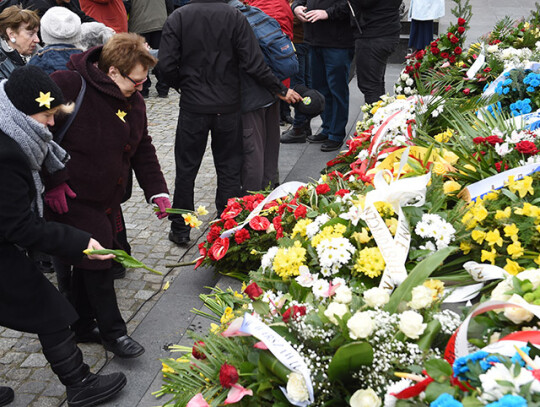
[[56, 198], [163, 204]]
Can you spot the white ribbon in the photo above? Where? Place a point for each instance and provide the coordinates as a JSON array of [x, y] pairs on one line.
[[475, 67], [282, 350], [398, 193], [279, 192]]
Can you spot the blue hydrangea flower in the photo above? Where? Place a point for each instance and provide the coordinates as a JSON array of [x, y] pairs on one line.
[[445, 400], [460, 364], [509, 401]]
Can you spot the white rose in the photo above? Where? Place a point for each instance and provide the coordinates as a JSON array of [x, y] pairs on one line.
[[335, 309], [492, 48], [343, 294], [360, 325], [376, 297], [407, 90], [411, 324], [499, 292], [296, 387], [518, 315], [365, 398], [422, 297], [404, 76], [409, 82]]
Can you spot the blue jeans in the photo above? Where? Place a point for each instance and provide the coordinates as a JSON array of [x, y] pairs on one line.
[[303, 77], [330, 75]]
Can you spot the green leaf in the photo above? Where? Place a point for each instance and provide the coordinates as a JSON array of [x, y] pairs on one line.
[[349, 358], [425, 341], [471, 402], [416, 277], [261, 308], [438, 369], [435, 389], [124, 259]]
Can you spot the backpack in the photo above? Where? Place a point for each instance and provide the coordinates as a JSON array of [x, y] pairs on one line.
[[277, 48]]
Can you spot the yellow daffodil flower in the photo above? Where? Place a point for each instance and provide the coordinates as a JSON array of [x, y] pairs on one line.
[[493, 237], [515, 250], [513, 267], [489, 256], [465, 247], [478, 236]]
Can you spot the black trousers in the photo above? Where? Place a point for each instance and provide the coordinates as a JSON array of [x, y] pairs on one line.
[[191, 138], [371, 59], [153, 39], [94, 299]]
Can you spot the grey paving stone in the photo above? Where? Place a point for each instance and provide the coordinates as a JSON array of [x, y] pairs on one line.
[[35, 360]]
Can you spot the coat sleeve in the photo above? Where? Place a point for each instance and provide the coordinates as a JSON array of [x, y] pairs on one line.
[[21, 226], [170, 50], [251, 57], [338, 11]]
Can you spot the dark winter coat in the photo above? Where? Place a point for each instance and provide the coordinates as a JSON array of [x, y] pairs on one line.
[[41, 6], [103, 147], [336, 31], [9, 61], [204, 45], [377, 18], [54, 57], [28, 301]]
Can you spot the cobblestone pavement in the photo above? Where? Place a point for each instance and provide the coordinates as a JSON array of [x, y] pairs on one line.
[[22, 365]]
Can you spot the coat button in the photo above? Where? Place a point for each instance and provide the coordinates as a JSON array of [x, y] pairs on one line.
[[127, 147]]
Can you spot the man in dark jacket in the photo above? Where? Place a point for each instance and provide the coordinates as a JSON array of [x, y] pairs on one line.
[[41, 6], [377, 36], [327, 29], [204, 47]]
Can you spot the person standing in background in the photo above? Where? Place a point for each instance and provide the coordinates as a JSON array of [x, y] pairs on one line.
[[146, 18], [112, 13], [377, 29], [421, 15], [41, 6]]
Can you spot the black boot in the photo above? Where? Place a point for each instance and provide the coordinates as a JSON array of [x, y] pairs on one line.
[[83, 388], [6, 395], [294, 135]]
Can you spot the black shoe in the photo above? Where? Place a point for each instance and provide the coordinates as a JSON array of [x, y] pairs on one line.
[[95, 389], [163, 95], [91, 336], [317, 138], [331, 145], [293, 135], [179, 239], [6, 395], [124, 347], [118, 270]]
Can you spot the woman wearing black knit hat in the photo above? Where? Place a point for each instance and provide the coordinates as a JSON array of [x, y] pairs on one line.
[[29, 100]]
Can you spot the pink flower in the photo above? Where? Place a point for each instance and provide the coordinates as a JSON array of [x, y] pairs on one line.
[[260, 345], [197, 401], [234, 328], [237, 393]]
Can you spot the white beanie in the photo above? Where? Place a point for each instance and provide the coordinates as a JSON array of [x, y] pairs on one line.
[[60, 26]]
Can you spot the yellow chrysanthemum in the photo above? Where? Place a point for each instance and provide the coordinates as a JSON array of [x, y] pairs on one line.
[[493, 237], [300, 227], [478, 236], [370, 262], [384, 208], [515, 250], [449, 187], [465, 247], [513, 267], [391, 224], [328, 232], [287, 261], [489, 256]]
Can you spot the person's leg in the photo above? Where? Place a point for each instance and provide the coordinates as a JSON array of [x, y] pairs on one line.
[[271, 146], [320, 83], [253, 150], [371, 69], [191, 139], [161, 87], [227, 152]]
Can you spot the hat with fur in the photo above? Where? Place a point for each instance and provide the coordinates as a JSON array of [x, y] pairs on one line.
[[60, 26]]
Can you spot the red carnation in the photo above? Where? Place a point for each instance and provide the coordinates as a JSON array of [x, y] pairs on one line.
[[494, 140], [300, 212], [241, 236], [466, 91], [219, 249], [445, 55], [229, 224], [526, 147], [196, 350], [488, 69], [253, 291], [322, 189], [461, 30], [479, 140], [342, 192], [435, 50], [498, 166], [458, 50], [461, 21], [228, 375], [293, 312], [259, 223], [215, 232]]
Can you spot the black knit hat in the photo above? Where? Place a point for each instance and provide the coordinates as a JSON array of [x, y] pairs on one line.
[[312, 103], [32, 91]]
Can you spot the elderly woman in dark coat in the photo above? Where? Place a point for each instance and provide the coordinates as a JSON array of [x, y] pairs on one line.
[[28, 301], [108, 137]]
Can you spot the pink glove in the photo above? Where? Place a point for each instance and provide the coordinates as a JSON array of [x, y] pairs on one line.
[[163, 204], [56, 198]]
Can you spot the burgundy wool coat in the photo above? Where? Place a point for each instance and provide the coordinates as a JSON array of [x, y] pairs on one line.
[[103, 144]]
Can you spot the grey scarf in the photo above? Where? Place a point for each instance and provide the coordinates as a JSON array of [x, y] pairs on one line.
[[35, 140]]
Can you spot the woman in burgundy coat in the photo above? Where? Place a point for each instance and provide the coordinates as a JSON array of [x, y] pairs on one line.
[[108, 137]]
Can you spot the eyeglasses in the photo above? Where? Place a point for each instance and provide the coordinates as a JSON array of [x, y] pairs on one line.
[[135, 83]]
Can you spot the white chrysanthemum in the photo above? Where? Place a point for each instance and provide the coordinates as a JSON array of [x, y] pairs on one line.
[[268, 258], [395, 388], [320, 288]]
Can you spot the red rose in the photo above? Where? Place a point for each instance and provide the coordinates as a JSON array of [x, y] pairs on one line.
[[449, 35], [452, 59], [458, 50], [219, 249], [322, 189], [342, 192], [466, 91], [420, 54], [228, 375], [479, 140], [433, 44], [461, 21], [454, 40], [408, 69], [461, 30], [300, 212], [526, 147], [493, 140], [202, 252], [435, 50], [293, 312], [229, 224], [417, 65], [241, 236], [215, 232], [196, 350], [259, 223], [253, 291], [498, 166], [445, 55], [488, 69]]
